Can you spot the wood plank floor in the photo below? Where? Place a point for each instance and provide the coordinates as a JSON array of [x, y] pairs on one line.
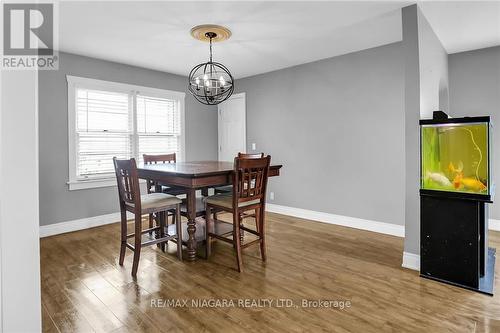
[[85, 290]]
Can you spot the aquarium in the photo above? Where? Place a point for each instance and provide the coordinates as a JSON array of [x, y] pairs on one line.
[[455, 155]]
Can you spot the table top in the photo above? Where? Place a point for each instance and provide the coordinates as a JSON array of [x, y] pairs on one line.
[[193, 169]]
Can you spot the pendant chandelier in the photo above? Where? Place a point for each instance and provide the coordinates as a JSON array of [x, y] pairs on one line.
[[211, 82]]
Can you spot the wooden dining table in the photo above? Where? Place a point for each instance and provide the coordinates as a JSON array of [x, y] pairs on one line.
[[193, 176]]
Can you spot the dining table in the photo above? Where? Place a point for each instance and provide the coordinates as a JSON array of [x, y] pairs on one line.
[[193, 176]]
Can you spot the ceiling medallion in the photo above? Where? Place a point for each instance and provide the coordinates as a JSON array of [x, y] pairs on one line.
[[211, 82]]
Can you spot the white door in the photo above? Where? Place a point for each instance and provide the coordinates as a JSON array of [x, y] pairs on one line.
[[232, 127]]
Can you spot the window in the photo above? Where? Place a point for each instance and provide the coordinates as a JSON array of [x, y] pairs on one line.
[[107, 119], [103, 130], [158, 125]]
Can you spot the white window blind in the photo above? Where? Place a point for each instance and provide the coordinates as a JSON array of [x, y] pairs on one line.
[[103, 130], [158, 125], [108, 119]]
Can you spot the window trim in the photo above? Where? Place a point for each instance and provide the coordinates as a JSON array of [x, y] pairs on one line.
[[74, 82]]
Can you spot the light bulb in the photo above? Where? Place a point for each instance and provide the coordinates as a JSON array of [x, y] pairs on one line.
[[197, 81], [207, 83], [222, 81], [205, 77]]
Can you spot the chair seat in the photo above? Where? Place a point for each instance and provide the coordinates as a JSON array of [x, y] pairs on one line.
[[226, 201], [154, 201]]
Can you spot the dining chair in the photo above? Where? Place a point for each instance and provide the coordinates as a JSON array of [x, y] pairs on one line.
[[229, 188], [152, 186], [161, 159], [249, 194], [132, 201], [173, 190]]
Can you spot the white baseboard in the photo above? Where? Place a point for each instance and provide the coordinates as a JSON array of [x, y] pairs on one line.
[[494, 225], [346, 221], [411, 261], [80, 224]]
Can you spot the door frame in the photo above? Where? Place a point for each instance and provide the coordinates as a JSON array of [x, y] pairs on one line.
[[234, 96]]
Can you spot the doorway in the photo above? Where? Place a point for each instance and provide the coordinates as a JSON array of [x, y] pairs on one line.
[[232, 127]]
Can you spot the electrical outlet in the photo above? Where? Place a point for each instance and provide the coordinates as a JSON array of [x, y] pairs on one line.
[[271, 196], [254, 146]]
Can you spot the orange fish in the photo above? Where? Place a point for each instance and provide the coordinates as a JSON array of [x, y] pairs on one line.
[[469, 183]]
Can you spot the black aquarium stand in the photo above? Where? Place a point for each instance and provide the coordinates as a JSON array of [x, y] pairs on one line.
[[454, 240]]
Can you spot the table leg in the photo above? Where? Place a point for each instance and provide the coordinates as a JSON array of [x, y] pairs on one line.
[[191, 225]]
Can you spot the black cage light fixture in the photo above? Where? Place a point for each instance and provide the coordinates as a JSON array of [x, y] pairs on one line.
[[211, 82]]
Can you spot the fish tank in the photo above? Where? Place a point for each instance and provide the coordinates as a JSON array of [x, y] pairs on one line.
[[455, 156]]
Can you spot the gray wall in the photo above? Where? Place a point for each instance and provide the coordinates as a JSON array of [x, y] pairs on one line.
[[433, 68], [57, 203], [426, 90], [337, 126], [475, 91]]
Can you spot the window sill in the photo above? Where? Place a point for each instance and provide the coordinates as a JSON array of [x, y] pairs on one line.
[[91, 183]]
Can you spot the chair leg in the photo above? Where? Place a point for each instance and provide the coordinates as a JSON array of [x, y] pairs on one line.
[[156, 218], [137, 245], [261, 233], [171, 213], [208, 221], [257, 227], [150, 224], [237, 240], [178, 227], [161, 234], [123, 245], [242, 232]]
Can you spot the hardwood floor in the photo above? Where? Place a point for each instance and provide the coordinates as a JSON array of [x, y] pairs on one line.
[[85, 290]]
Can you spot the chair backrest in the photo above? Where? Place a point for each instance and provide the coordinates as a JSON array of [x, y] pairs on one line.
[[250, 178], [244, 155], [128, 182], [155, 159]]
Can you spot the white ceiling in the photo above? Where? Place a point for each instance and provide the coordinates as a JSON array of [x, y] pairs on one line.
[[464, 25], [266, 35]]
